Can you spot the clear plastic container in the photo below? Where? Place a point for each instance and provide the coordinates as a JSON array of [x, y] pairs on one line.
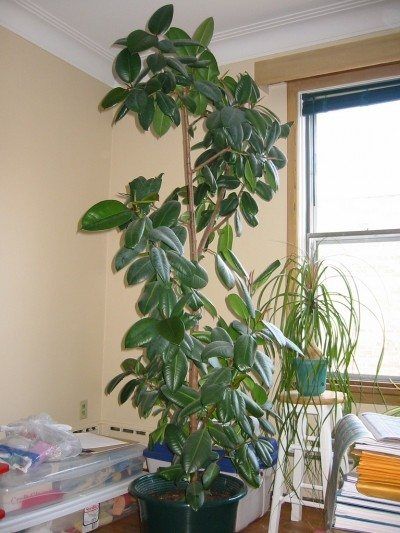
[[52, 483]]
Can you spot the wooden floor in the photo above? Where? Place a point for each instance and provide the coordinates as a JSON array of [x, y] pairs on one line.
[[312, 523]]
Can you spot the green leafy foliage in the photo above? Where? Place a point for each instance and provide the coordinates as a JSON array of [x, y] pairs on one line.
[[206, 383]]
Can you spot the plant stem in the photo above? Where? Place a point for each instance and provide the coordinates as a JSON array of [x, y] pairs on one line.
[[211, 159], [210, 226], [193, 375]]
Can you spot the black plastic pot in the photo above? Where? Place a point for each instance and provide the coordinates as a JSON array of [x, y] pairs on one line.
[[163, 516]]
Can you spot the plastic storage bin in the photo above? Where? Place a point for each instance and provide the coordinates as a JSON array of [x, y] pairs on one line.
[[52, 485], [257, 501]]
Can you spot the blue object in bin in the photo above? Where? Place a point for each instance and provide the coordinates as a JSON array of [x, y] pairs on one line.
[[161, 452]]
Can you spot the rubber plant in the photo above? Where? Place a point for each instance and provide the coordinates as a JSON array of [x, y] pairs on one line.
[[206, 384]]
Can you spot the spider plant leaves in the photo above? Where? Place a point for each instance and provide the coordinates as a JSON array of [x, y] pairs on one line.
[[141, 333], [140, 270], [108, 214], [182, 397], [113, 97], [196, 451], [127, 65], [165, 235], [195, 495], [175, 370], [244, 352], [224, 272], [160, 20], [134, 232], [172, 329], [140, 40], [210, 475]]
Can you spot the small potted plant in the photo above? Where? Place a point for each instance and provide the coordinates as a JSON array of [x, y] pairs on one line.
[[208, 386], [323, 321]]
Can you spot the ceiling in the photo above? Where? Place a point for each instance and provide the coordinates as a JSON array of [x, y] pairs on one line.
[[81, 31]]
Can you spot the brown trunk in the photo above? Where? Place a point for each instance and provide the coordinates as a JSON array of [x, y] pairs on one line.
[[193, 377]]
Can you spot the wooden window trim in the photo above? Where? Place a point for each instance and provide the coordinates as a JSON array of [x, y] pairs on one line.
[[364, 391]]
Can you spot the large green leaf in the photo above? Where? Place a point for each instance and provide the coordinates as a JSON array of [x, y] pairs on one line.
[[114, 382], [175, 370], [113, 97], [134, 232], [146, 114], [225, 239], [140, 40], [182, 397], [191, 274], [149, 297], [141, 333], [244, 352], [126, 255], [243, 89], [171, 473], [107, 214], [160, 263], [229, 204], [224, 273], [218, 348], [238, 306], [195, 495], [249, 177], [208, 305], [196, 451], [219, 436], [175, 34], [160, 20], [174, 438], [265, 275], [161, 123], [167, 236], [253, 408], [127, 65], [167, 214], [171, 329], [140, 270], [167, 300], [127, 391], [147, 403], [208, 89], [210, 475], [263, 365], [263, 452], [264, 190], [234, 263], [246, 297], [214, 385], [203, 34]]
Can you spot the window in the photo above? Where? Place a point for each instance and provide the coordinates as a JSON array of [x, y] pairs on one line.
[[352, 205]]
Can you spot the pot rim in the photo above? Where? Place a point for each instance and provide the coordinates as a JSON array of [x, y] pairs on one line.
[[182, 504]]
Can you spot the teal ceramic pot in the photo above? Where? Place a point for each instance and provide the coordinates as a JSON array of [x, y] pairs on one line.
[[163, 516], [310, 376]]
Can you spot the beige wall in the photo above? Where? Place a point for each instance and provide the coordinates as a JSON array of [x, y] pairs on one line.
[[54, 160], [135, 154]]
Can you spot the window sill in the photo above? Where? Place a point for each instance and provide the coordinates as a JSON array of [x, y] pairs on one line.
[[379, 393]]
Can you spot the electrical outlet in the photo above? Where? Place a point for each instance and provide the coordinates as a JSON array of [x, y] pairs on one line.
[[83, 409]]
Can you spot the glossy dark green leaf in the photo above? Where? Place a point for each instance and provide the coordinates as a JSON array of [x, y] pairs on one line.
[[175, 370], [140, 40], [244, 291], [146, 114], [171, 473], [126, 255], [285, 130], [243, 89], [114, 382], [113, 97], [257, 121], [203, 34], [127, 65], [141, 333], [219, 436], [208, 305], [175, 64], [238, 224], [234, 263], [175, 34], [174, 438], [127, 390], [224, 272], [225, 238], [196, 451], [136, 100], [249, 177], [119, 115], [182, 397], [160, 263], [263, 452], [235, 137], [149, 297], [165, 235], [107, 214], [228, 182], [264, 367], [271, 175], [188, 410], [273, 136], [171, 329], [210, 475], [167, 300], [244, 352], [267, 426], [134, 232], [214, 385], [262, 278], [200, 193], [191, 274], [208, 89], [140, 270], [166, 46], [167, 81], [264, 191], [156, 62], [229, 204], [252, 407], [160, 20], [209, 178], [147, 402], [167, 214], [218, 348], [248, 204], [277, 157], [195, 495]]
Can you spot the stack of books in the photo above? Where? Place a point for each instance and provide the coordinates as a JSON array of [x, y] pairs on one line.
[[369, 500]]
